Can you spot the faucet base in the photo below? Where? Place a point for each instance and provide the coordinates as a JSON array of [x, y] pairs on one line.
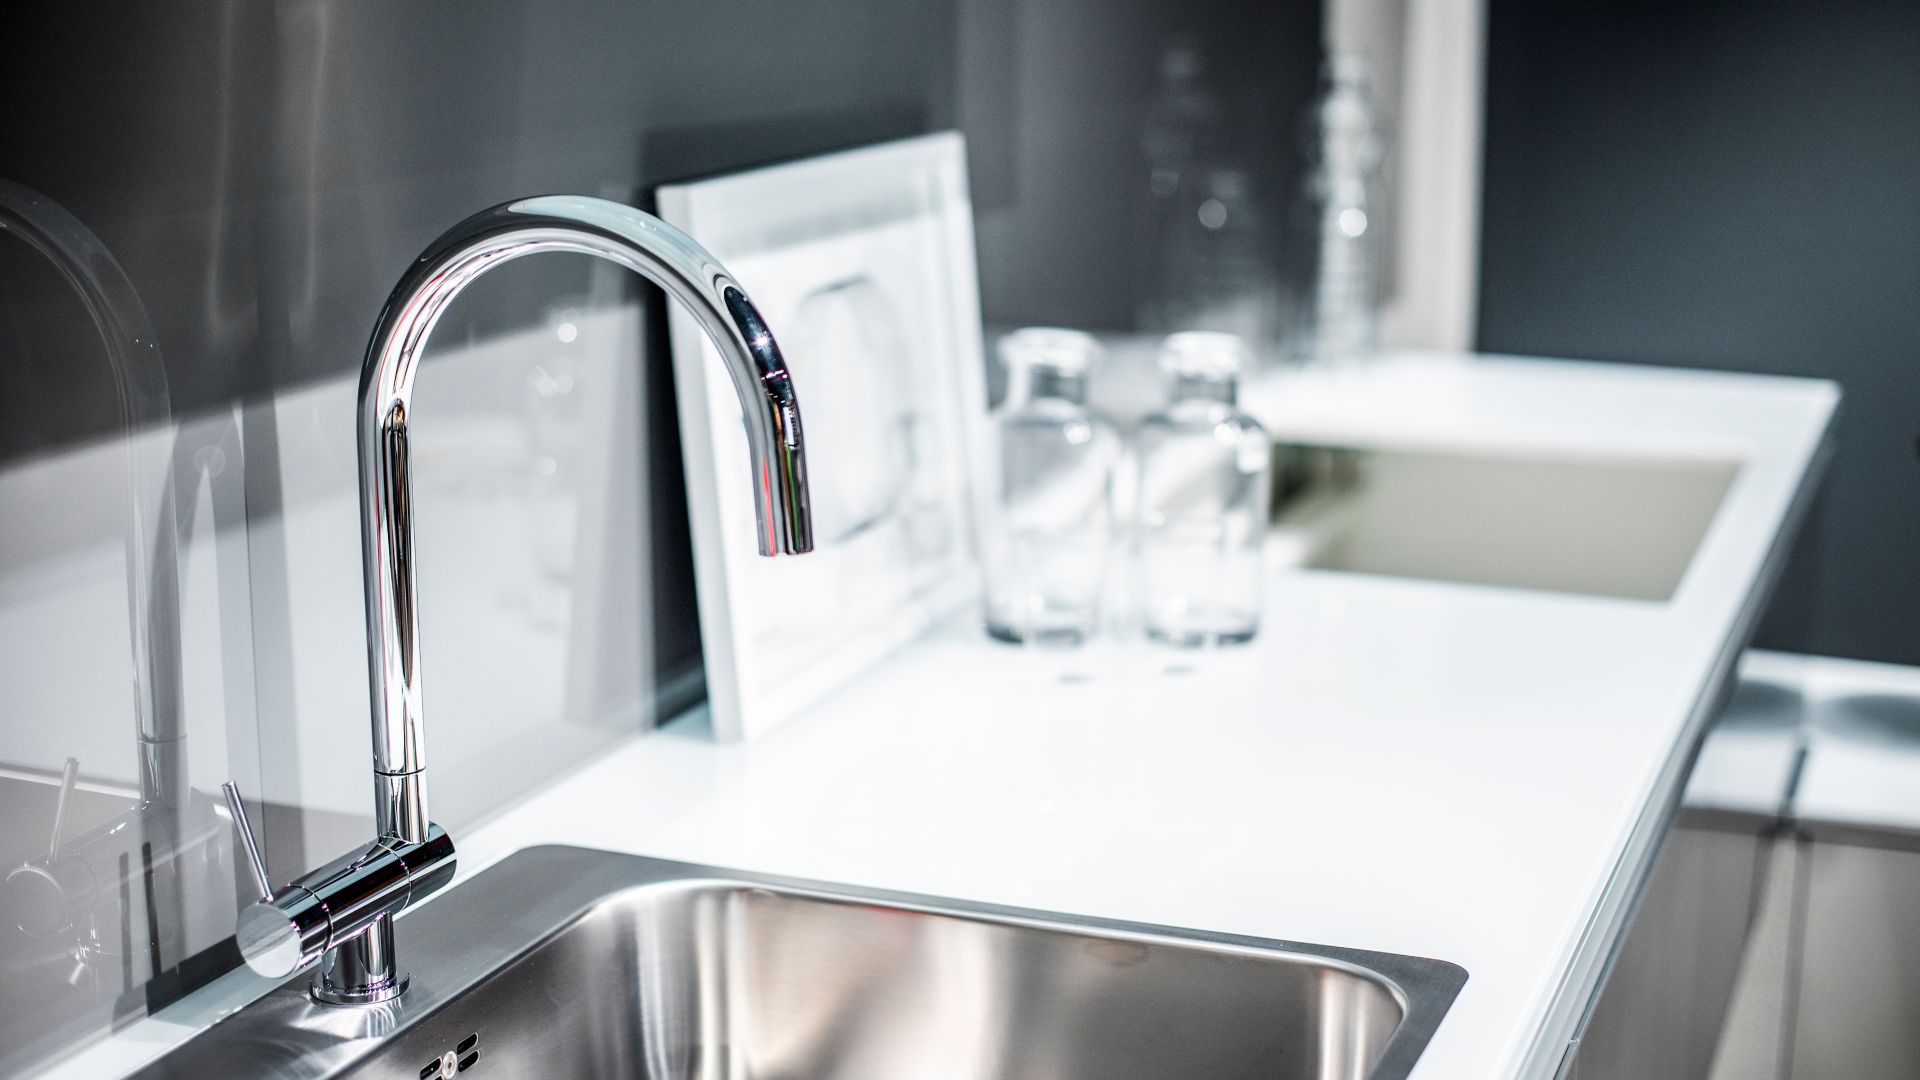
[[361, 971], [370, 995]]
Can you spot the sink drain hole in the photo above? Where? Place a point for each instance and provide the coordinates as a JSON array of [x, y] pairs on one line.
[[459, 1059]]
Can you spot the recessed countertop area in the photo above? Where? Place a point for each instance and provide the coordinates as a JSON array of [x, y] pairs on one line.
[[1474, 773]]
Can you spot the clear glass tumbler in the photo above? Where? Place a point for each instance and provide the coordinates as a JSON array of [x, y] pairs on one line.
[[1201, 493], [1050, 527]]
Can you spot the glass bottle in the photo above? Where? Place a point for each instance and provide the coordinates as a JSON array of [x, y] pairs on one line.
[[1201, 491], [1049, 530]]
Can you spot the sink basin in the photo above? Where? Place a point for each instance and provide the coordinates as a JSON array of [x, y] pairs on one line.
[[1597, 525], [567, 962]]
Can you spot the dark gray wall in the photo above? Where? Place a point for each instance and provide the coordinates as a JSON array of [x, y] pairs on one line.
[[1735, 185], [263, 171]]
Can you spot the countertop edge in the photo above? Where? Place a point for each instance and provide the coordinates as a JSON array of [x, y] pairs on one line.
[[1567, 1014]]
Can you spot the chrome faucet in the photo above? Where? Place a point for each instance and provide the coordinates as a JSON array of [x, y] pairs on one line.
[[341, 916]]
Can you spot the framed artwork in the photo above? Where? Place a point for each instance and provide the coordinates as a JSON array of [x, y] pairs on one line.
[[862, 263]]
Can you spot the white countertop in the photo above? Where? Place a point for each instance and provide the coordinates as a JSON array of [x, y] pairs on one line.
[[1467, 773]]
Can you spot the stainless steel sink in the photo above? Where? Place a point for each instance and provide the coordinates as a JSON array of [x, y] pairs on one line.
[[575, 963]]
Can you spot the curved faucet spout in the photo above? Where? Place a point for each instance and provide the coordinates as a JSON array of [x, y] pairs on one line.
[[621, 234]]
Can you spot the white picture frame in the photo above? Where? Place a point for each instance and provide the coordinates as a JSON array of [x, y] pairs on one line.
[[862, 263]]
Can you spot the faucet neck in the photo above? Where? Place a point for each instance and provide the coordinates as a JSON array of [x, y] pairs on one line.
[[620, 234]]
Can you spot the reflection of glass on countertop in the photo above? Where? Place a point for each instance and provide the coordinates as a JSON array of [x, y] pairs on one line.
[[1885, 721], [1758, 705]]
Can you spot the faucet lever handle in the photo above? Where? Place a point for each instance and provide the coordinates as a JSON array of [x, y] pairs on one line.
[[248, 841]]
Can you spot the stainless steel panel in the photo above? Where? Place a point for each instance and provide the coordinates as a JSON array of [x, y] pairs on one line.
[[1857, 997], [1660, 1015]]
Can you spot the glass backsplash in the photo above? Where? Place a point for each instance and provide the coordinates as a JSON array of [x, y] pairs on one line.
[[117, 882]]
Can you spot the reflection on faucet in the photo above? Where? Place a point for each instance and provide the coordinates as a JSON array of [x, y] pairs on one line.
[[68, 774], [118, 895], [340, 917], [140, 381], [555, 413]]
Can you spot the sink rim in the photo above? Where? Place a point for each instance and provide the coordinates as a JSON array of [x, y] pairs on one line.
[[473, 933], [1027, 918]]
